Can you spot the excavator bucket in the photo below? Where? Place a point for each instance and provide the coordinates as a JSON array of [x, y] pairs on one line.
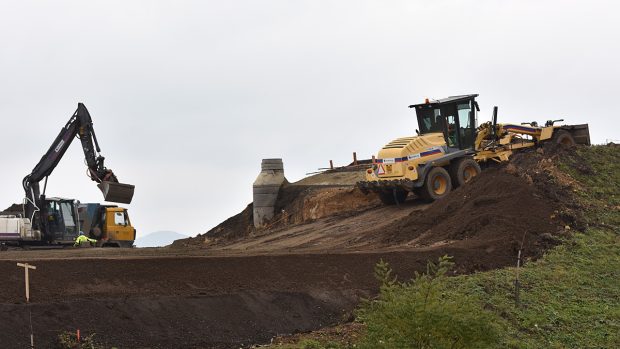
[[117, 192]]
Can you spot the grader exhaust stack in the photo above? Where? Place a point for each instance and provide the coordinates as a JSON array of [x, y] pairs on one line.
[[117, 192]]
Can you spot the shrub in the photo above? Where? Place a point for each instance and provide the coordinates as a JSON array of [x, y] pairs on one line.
[[69, 340], [423, 314]]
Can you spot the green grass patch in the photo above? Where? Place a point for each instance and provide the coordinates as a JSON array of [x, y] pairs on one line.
[[597, 168]]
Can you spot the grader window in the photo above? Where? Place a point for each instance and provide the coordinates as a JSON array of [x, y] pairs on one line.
[[454, 116], [466, 126], [430, 120]]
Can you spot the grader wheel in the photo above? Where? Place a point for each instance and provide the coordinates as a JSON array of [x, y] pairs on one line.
[[393, 197], [436, 185], [463, 171]]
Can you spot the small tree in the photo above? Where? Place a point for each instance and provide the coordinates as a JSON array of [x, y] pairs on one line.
[[421, 314], [69, 340]]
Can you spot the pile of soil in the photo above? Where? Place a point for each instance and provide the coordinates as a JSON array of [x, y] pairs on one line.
[[322, 195], [496, 209], [14, 209], [235, 227], [526, 204], [298, 204]]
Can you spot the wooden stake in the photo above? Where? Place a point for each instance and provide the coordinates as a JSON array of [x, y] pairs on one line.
[[517, 282], [354, 158], [331, 165], [26, 267]]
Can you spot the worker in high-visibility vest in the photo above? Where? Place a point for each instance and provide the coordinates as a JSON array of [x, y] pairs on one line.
[[82, 239]]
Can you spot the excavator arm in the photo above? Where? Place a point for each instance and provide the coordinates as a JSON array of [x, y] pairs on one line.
[[80, 125]]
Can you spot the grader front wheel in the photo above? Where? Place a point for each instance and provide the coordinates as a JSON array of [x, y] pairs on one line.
[[437, 184], [463, 171], [393, 196]]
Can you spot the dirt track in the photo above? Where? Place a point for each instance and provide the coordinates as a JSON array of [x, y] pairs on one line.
[[200, 302]]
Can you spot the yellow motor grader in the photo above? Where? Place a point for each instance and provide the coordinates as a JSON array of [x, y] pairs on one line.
[[449, 148]]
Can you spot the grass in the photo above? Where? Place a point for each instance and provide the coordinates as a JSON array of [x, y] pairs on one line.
[[570, 298]]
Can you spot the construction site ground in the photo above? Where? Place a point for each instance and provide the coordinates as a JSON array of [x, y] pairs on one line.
[[237, 286]]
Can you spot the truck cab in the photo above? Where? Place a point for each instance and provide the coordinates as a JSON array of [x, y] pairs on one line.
[[109, 224]]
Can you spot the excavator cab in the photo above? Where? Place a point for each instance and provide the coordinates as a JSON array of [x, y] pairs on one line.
[[454, 116], [60, 218]]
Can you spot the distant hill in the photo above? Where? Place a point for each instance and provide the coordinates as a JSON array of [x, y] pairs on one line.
[[158, 238]]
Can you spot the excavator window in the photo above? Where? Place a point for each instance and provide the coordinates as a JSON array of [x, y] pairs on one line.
[[67, 216]]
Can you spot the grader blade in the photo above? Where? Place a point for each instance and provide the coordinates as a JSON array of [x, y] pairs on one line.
[[580, 133], [117, 192]]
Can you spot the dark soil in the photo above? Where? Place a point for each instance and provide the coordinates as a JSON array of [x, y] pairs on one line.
[[15, 209], [497, 210], [521, 205], [235, 227], [241, 224], [200, 302]]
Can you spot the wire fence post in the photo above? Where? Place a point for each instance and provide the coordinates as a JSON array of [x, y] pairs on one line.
[[517, 282], [27, 267], [517, 285]]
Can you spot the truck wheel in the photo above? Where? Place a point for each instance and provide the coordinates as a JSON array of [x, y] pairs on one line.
[[463, 171], [437, 184], [563, 137], [391, 198]]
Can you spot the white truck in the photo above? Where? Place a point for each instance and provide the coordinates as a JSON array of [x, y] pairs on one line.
[[15, 229]]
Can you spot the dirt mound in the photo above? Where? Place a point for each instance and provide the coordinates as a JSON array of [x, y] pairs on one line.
[[301, 203], [340, 177], [322, 195], [235, 227], [497, 209], [14, 209], [527, 202]]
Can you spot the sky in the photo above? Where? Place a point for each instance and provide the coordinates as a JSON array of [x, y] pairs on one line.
[[187, 97]]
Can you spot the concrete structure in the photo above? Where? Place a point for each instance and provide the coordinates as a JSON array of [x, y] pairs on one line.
[[266, 188]]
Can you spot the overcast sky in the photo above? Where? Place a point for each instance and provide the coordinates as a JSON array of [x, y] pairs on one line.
[[187, 97]]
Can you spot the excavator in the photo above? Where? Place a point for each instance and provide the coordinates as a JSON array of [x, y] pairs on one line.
[[449, 149], [56, 220]]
